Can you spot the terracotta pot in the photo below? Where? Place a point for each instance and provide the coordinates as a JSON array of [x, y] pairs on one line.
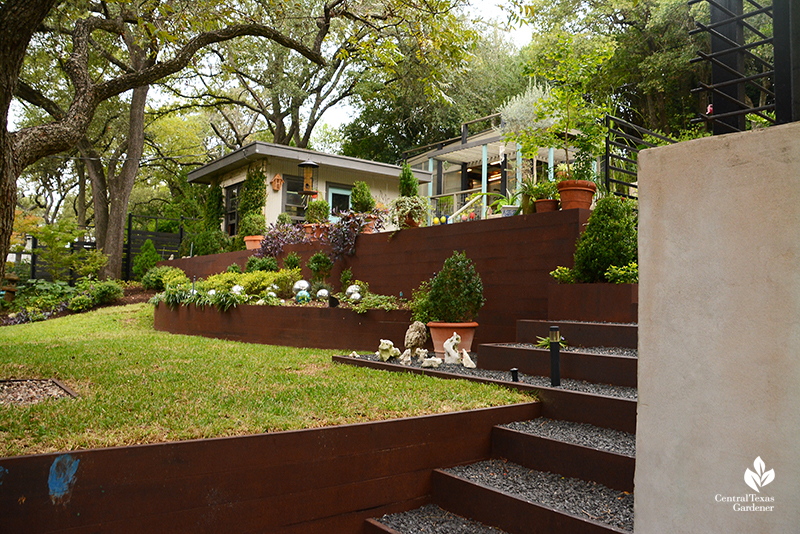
[[441, 332], [546, 204], [315, 230], [253, 242], [576, 194], [370, 227], [411, 222]]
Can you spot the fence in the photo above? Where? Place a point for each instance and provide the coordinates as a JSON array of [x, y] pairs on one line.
[[623, 143], [755, 63], [167, 244]]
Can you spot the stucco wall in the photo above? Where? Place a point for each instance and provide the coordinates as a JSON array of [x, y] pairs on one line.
[[719, 332], [383, 189]]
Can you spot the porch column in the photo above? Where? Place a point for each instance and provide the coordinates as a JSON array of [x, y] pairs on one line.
[[551, 159], [430, 186], [518, 164], [484, 178]]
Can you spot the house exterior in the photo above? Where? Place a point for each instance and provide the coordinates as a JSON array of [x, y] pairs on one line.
[[333, 179], [484, 162]]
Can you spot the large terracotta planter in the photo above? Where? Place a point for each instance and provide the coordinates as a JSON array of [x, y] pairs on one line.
[[315, 230], [252, 242], [546, 204], [441, 332], [576, 194]]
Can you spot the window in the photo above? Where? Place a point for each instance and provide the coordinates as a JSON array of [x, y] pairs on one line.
[[232, 208], [339, 199], [293, 201]]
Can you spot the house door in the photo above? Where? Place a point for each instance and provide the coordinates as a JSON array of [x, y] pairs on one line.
[[339, 200]]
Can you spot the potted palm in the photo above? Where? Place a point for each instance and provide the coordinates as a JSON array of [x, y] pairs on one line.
[[449, 302]]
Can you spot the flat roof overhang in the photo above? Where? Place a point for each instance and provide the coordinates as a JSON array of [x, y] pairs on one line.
[[259, 150]]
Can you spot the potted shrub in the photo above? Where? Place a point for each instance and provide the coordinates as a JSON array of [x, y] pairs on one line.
[[317, 216], [252, 227], [409, 209], [361, 201], [545, 196], [450, 302]]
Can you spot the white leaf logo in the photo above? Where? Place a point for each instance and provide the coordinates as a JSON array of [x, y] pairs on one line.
[[759, 478]]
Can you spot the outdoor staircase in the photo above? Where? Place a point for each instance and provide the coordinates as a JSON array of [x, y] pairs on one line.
[[515, 512]]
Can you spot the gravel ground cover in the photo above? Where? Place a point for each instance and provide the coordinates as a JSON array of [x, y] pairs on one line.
[[604, 439], [430, 519], [571, 495], [610, 351], [23, 392], [541, 381]]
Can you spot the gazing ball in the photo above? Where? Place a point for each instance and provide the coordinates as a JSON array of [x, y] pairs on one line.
[[436, 220], [323, 294], [463, 217], [444, 219], [352, 290], [300, 285], [472, 215], [272, 294], [303, 297], [355, 297]]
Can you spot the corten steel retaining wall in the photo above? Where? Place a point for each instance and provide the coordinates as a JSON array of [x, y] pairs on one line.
[[322, 328], [307, 481], [514, 256]]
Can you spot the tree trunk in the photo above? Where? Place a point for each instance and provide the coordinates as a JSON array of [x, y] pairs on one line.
[[120, 186], [18, 20]]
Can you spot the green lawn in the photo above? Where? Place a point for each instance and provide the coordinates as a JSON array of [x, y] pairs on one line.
[[137, 385]]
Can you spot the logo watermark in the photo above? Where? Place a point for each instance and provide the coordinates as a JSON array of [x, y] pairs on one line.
[[752, 502]]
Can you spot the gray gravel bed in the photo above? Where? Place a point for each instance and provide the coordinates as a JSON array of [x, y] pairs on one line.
[[430, 519], [604, 439], [539, 381], [609, 351], [578, 497], [31, 391]]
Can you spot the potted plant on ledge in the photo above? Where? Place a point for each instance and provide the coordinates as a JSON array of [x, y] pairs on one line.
[[361, 201], [450, 302], [317, 216], [545, 196], [409, 208]]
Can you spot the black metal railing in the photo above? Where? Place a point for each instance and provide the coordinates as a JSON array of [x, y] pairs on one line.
[[755, 68], [624, 140]]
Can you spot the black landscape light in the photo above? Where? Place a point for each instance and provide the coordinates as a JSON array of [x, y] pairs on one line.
[[555, 357], [514, 374]]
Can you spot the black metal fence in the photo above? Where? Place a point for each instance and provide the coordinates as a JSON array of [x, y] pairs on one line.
[[624, 140], [167, 244], [755, 63]]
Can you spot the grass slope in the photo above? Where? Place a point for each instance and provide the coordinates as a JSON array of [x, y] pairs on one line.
[[137, 385]]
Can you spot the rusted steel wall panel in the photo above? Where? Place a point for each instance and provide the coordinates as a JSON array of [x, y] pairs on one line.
[[316, 480], [322, 328], [612, 303], [514, 256]]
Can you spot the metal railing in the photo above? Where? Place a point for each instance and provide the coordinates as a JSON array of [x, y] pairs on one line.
[[624, 140], [450, 204], [745, 36]]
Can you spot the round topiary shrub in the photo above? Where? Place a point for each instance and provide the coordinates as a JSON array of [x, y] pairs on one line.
[[610, 239], [318, 212]]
